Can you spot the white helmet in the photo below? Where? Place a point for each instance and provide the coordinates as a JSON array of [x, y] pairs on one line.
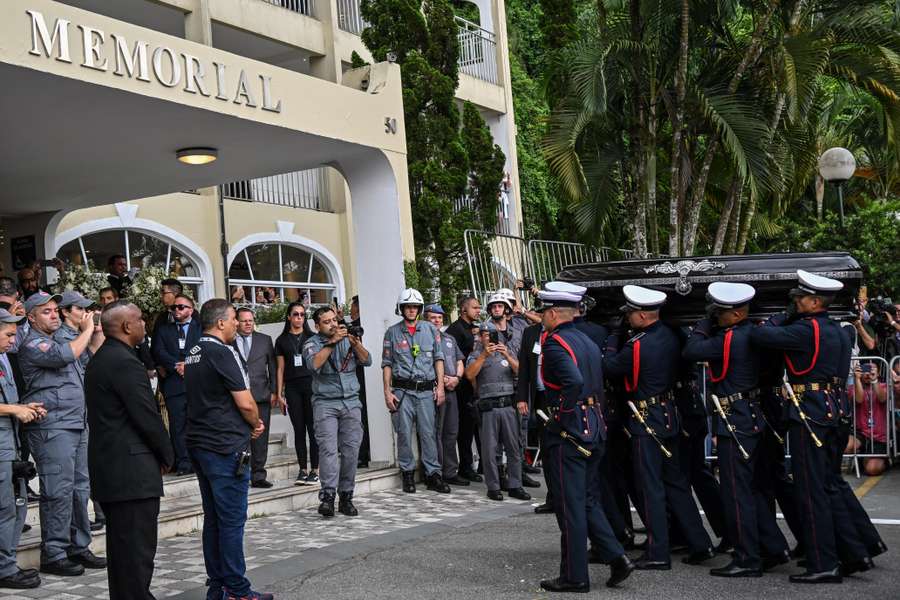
[[409, 296], [498, 297], [508, 294]]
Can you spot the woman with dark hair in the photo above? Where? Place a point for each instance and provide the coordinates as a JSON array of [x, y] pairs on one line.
[[295, 389]]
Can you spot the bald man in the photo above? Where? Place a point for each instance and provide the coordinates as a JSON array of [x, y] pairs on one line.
[[128, 451]]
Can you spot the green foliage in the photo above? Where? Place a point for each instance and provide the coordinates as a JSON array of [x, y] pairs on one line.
[[356, 61], [270, 313], [486, 161], [411, 274], [870, 234]]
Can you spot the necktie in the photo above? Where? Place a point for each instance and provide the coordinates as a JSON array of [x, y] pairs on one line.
[[245, 351]]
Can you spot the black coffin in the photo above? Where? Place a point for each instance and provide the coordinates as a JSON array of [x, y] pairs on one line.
[[685, 281]]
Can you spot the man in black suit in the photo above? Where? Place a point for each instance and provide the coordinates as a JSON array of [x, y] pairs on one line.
[[171, 344], [258, 354], [530, 391], [128, 450]]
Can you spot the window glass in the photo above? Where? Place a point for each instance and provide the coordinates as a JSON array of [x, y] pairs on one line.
[[146, 251], [70, 253], [319, 273], [294, 264], [101, 245], [264, 262], [181, 265]]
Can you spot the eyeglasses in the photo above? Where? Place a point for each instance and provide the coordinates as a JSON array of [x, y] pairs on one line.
[[298, 314], [181, 306]]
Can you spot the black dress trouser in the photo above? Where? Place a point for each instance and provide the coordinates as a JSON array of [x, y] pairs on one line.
[[259, 448], [298, 395], [131, 547]]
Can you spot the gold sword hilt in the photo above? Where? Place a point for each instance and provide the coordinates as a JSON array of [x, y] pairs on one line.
[[803, 417]]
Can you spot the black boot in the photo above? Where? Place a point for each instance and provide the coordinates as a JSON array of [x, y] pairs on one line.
[[435, 483], [326, 506], [619, 570], [345, 504], [409, 481]]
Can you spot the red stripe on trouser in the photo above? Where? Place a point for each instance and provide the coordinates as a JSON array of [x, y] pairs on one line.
[[562, 493], [812, 518]]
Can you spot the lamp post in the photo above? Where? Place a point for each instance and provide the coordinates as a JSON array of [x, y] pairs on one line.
[[837, 165]]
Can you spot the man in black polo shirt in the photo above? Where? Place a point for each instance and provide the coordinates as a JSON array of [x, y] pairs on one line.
[[222, 417]]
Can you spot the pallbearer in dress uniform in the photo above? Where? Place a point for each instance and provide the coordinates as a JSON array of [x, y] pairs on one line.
[[573, 379], [812, 344], [648, 362], [723, 341]]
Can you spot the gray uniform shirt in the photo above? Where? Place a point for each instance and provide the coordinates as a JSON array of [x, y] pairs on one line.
[[54, 377], [452, 354], [412, 356], [330, 382], [10, 396], [496, 378]]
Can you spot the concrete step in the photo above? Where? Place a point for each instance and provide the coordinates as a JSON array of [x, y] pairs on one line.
[[183, 515]]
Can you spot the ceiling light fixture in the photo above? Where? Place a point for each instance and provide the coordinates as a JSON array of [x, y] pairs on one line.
[[197, 156]]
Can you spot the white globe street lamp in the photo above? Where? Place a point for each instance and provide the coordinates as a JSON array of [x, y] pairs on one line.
[[836, 166]]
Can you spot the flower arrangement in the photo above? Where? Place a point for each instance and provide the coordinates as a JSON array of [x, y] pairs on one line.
[[82, 279], [144, 290]]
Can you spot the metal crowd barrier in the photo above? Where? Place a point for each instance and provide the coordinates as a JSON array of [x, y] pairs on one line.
[[884, 376]]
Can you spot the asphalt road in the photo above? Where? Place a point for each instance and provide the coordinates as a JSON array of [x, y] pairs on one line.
[[507, 556]]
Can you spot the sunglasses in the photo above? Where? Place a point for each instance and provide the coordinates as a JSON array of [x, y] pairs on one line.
[[298, 314], [181, 306]]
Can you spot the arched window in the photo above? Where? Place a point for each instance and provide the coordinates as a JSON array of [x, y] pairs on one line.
[[141, 251], [276, 272]]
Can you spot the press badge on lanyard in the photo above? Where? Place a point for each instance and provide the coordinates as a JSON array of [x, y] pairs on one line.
[[298, 360], [181, 343]]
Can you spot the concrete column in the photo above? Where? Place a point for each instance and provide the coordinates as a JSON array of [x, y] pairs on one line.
[[198, 24], [326, 67], [374, 177]]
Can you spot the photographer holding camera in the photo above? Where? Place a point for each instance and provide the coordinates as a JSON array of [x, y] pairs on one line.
[[333, 355], [13, 504], [884, 320]]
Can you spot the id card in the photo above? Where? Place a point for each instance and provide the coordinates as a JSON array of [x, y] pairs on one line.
[[181, 343], [298, 360], [537, 348]]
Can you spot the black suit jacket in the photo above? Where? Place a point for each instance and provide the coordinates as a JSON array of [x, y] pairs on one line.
[[526, 391], [166, 353], [127, 441], [261, 366]]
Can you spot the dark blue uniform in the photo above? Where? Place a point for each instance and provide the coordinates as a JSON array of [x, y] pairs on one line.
[[692, 446], [572, 375], [812, 351], [608, 495], [733, 373], [649, 364], [868, 535]]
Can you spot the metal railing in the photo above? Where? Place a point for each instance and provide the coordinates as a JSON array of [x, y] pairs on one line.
[[504, 224], [300, 189], [349, 17], [304, 7], [477, 51], [495, 261], [549, 257]]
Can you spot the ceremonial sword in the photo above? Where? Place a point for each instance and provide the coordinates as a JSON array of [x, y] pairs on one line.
[[566, 435], [729, 426], [787, 385], [649, 429]]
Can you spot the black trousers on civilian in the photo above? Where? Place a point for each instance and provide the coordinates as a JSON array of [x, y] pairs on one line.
[[130, 547], [259, 448], [468, 427], [299, 403]]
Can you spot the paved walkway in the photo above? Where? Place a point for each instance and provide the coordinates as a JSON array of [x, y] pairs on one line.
[[460, 545]]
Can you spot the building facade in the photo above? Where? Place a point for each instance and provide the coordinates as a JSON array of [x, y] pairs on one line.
[[308, 196]]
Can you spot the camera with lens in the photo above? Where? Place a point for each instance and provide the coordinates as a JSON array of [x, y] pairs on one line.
[[879, 308], [354, 330], [23, 469]]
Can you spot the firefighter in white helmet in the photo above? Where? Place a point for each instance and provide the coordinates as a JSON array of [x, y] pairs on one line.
[[412, 362]]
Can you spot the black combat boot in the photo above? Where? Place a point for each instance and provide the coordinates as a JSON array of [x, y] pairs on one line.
[[409, 481], [345, 504], [326, 506], [436, 483]]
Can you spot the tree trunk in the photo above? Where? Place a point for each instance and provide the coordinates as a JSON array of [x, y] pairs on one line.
[[699, 192], [676, 197], [650, 153], [820, 197], [734, 224], [745, 227], [725, 218]]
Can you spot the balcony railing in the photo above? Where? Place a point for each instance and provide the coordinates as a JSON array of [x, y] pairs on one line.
[[301, 189], [504, 223], [349, 17], [304, 7], [477, 51]]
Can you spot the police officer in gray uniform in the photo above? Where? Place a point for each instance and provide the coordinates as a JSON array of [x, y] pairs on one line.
[[333, 355], [412, 364], [492, 368], [71, 311], [53, 376], [13, 505], [447, 429]]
